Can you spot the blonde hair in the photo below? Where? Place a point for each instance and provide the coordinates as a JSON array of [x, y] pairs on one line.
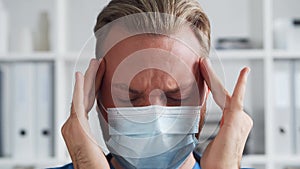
[[188, 10]]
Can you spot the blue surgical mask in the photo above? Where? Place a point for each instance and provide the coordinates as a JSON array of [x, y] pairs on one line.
[[152, 136]]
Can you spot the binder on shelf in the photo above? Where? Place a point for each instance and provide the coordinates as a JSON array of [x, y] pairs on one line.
[[1, 115], [44, 110], [22, 102], [5, 110], [282, 113], [297, 109]]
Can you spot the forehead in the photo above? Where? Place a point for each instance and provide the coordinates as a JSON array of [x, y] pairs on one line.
[[171, 55], [182, 42]]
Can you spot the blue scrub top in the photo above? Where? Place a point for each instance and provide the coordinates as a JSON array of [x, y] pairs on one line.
[[70, 166], [109, 156]]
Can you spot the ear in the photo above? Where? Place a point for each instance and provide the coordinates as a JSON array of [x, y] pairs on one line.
[[205, 94], [99, 81], [202, 119], [203, 111], [99, 78]]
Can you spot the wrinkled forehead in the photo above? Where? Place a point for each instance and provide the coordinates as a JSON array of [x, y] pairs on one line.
[[150, 52]]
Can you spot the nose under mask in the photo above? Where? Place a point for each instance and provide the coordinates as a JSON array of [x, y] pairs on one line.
[[144, 137]]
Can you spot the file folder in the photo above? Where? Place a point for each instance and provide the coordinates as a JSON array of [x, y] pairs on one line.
[[297, 109], [22, 110], [5, 110], [44, 110], [283, 108]]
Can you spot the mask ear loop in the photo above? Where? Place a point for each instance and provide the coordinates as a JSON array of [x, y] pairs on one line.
[[99, 102], [203, 106], [100, 106], [202, 119]]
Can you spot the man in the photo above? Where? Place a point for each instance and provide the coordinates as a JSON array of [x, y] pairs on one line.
[[151, 85]]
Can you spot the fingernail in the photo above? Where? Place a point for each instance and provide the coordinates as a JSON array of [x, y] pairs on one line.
[[248, 71], [93, 60], [76, 75]]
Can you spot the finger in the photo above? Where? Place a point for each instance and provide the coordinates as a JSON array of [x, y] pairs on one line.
[[78, 95], [240, 88], [214, 83], [99, 75], [89, 83]]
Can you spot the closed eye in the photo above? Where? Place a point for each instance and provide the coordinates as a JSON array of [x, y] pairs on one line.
[[177, 99], [128, 100]]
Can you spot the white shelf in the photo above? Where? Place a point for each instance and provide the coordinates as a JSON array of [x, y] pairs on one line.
[[241, 54], [254, 159], [74, 56], [43, 56], [281, 54], [286, 159], [33, 162], [34, 56]]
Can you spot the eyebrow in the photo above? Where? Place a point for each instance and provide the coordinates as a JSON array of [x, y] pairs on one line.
[[172, 91], [125, 87], [181, 88]]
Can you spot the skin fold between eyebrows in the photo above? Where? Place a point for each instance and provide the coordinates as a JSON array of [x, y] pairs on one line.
[[180, 91]]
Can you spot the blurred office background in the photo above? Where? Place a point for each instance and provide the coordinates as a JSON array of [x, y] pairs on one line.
[[42, 42]]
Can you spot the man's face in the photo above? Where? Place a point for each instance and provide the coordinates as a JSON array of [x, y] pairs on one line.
[[147, 70]]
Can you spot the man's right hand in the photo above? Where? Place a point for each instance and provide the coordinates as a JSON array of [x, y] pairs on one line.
[[84, 151]]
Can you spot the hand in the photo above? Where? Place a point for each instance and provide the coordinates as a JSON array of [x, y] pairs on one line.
[[84, 151], [226, 150]]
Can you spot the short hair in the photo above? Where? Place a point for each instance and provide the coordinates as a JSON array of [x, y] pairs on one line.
[[188, 10]]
